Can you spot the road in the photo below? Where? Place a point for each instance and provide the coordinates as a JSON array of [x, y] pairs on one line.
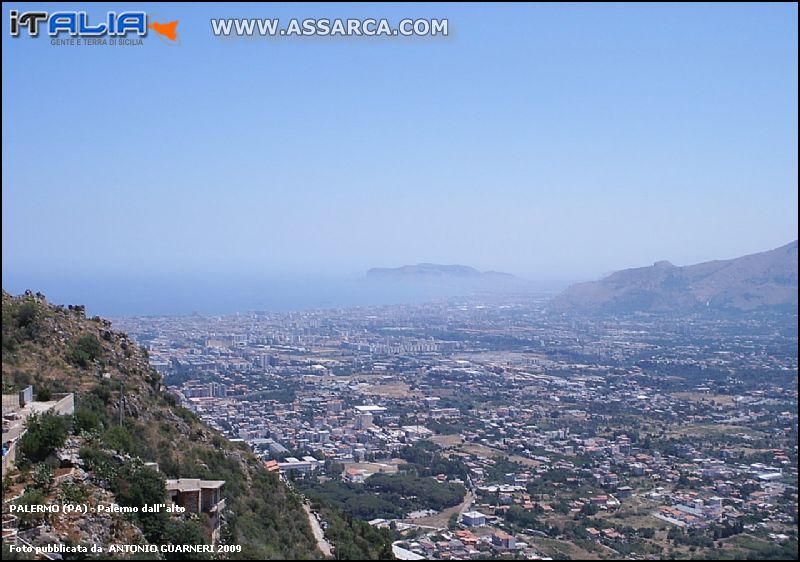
[[322, 542]]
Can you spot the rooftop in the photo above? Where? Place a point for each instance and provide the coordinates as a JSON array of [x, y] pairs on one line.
[[193, 484]]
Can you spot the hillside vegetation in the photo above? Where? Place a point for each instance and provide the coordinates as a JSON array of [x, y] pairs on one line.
[[124, 419]]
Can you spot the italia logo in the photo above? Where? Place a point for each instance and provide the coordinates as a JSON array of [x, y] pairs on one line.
[[78, 24]]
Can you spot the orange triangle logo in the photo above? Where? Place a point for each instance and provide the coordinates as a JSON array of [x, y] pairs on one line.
[[165, 29]]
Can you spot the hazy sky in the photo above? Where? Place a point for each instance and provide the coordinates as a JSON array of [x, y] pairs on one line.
[[553, 142]]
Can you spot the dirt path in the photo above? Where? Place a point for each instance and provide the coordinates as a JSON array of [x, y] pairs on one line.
[[322, 542], [440, 519]]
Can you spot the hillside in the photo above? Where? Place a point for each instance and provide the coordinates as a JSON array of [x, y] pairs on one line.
[[766, 280], [99, 453]]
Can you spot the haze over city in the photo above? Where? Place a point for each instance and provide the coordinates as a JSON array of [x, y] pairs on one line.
[[557, 145]]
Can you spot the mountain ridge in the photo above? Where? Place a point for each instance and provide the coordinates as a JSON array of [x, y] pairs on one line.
[[761, 280], [434, 270], [431, 280]]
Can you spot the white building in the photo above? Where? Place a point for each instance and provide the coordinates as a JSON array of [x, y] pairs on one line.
[[473, 519]]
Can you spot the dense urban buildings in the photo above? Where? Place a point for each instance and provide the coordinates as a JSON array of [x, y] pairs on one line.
[[490, 427]]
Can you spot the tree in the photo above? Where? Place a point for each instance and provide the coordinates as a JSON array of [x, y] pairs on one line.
[[44, 434], [26, 319], [119, 439], [137, 486], [588, 509]]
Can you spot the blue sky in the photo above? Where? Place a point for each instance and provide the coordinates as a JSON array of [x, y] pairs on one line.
[[550, 141]]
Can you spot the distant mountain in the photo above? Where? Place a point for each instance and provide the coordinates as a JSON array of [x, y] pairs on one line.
[[752, 282], [442, 280], [427, 271]]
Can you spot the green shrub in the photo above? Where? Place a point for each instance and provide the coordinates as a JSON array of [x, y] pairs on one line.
[[102, 392], [137, 485], [85, 420], [43, 394], [119, 439], [184, 532], [43, 478], [74, 492], [44, 434], [26, 320], [98, 461], [27, 519], [85, 350]]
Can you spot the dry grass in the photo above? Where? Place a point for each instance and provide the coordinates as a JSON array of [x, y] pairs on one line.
[[706, 430], [391, 390], [558, 549], [491, 452], [447, 441], [389, 467], [481, 450], [722, 399]]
